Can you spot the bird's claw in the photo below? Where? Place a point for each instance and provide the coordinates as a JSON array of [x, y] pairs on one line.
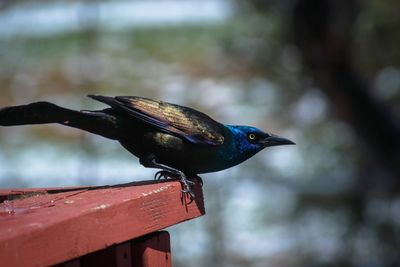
[[165, 175], [189, 182], [189, 192], [186, 183], [186, 187]]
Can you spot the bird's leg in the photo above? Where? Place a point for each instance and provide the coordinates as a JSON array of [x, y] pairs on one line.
[[168, 172]]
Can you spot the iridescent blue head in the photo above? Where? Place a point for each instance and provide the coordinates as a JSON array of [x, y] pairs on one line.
[[250, 140]]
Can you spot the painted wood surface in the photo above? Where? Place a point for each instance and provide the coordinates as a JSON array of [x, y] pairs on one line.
[[152, 250], [49, 228]]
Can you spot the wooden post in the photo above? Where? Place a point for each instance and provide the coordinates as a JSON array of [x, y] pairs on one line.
[[147, 251], [152, 250]]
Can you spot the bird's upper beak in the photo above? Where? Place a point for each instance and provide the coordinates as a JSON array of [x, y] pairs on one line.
[[275, 140]]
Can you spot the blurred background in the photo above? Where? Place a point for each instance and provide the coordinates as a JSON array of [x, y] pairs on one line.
[[323, 73]]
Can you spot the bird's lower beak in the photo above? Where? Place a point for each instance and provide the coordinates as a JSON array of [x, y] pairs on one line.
[[275, 140]]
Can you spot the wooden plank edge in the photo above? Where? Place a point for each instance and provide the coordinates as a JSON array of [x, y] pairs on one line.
[[159, 206]]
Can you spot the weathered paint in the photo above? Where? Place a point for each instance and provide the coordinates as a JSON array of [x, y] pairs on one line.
[[47, 229]]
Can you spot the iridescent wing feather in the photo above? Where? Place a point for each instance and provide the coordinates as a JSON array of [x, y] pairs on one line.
[[188, 123]]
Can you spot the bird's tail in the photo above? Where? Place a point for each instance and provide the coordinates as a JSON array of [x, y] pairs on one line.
[[98, 122]]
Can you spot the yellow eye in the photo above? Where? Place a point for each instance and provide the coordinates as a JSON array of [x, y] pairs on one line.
[[252, 136]]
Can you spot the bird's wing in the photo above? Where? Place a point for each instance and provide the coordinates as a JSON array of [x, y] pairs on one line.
[[188, 123]]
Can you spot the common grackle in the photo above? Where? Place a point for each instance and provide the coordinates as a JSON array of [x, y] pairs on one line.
[[180, 141]]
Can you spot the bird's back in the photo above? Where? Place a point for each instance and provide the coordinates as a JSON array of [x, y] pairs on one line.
[[185, 122]]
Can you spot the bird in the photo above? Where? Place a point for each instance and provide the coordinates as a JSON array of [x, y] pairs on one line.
[[179, 141]]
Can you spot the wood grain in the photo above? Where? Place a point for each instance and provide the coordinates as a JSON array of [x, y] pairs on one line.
[[47, 229]]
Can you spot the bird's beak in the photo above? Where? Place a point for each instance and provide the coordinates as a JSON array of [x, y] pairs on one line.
[[275, 140]]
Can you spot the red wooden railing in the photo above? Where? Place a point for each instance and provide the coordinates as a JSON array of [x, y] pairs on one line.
[[93, 226]]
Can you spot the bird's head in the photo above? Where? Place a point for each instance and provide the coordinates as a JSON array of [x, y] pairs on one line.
[[250, 140]]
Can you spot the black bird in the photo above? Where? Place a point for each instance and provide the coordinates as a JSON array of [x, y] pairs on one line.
[[179, 140]]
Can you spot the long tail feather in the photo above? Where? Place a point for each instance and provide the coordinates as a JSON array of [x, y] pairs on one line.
[[99, 123]]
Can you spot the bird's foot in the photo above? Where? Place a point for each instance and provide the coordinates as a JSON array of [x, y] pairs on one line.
[[165, 175], [169, 173], [186, 183], [176, 174]]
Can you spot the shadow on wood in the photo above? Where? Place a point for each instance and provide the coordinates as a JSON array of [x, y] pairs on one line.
[[147, 251]]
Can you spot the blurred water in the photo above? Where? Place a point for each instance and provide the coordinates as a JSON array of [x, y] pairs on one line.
[[63, 16]]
